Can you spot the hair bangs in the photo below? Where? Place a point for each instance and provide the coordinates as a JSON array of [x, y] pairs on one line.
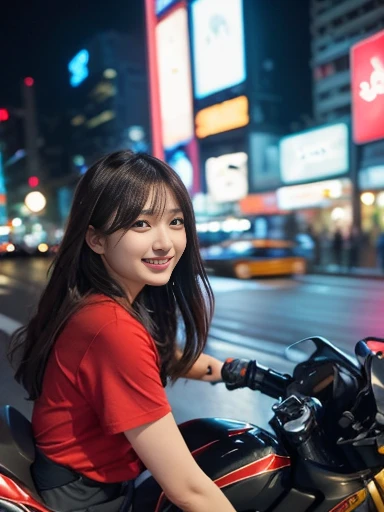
[[157, 199], [133, 199]]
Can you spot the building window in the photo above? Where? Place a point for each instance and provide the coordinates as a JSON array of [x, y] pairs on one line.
[[318, 73], [324, 96], [324, 71], [342, 63]]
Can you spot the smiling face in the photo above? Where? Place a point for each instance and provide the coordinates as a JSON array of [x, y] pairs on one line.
[[148, 252]]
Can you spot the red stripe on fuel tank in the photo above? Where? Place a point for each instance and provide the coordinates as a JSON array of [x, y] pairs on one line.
[[10, 491], [203, 448], [269, 463], [239, 431], [160, 502]]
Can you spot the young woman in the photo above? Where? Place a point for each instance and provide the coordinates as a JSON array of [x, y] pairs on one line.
[[96, 356]]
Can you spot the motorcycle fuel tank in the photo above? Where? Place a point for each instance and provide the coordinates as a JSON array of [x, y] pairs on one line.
[[245, 461]]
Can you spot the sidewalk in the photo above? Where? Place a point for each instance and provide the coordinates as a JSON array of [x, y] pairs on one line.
[[336, 270]]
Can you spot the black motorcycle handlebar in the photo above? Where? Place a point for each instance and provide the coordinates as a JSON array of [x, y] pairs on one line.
[[241, 373]]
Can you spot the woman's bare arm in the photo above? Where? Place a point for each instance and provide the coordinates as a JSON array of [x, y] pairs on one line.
[[206, 368], [162, 449]]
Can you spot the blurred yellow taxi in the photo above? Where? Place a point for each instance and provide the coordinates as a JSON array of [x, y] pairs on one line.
[[253, 258]]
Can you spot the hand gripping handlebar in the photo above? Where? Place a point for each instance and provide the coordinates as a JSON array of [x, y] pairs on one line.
[[241, 373]]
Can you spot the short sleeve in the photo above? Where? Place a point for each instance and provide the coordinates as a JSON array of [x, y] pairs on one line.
[[119, 377]]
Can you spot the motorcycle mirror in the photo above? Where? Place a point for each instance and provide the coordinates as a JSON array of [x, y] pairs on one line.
[[316, 347], [301, 350], [362, 351]]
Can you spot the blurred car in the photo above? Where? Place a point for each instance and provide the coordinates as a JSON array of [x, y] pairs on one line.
[[7, 248], [252, 258], [54, 249]]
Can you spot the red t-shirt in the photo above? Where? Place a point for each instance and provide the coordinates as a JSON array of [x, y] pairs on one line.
[[102, 378]]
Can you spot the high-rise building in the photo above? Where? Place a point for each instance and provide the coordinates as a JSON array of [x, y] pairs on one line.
[[336, 25], [108, 100]]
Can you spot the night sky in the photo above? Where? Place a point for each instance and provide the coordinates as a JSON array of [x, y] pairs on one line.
[[39, 37]]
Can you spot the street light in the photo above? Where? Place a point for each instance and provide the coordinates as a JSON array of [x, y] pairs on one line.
[[35, 202], [16, 222], [367, 198]]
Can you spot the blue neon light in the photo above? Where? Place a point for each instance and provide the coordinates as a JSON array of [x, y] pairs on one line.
[[162, 5], [78, 68]]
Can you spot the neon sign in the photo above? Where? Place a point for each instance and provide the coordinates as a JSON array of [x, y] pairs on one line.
[[315, 154], [78, 68], [370, 90], [222, 117], [367, 73]]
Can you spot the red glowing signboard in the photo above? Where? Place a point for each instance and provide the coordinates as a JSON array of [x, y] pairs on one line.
[[367, 65], [4, 114]]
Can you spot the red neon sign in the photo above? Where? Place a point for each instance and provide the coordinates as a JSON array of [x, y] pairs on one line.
[[367, 67]]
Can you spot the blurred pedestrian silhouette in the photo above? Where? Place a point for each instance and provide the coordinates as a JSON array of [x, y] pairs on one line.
[[337, 247], [316, 245], [324, 246], [353, 245]]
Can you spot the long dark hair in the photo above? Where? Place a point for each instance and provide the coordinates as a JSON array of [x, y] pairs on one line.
[[110, 196]]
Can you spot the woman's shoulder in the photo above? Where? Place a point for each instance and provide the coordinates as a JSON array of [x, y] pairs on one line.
[[97, 329], [104, 325], [99, 311]]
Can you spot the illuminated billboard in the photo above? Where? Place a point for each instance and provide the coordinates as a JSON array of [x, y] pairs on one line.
[[218, 45], [315, 154], [367, 67], [227, 177], [265, 161], [175, 85], [222, 117], [184, 160]]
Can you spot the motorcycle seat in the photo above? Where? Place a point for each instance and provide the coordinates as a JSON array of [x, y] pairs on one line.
[[17, 447]]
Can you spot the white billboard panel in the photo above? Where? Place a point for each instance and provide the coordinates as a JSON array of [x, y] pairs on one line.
[[218, 45]]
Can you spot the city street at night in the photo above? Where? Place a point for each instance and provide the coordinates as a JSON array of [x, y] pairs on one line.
[[253, 319], [142, 141]]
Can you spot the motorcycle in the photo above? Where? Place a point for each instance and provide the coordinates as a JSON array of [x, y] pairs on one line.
[[326, 453]]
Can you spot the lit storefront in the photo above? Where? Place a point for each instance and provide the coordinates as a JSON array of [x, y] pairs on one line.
[[314, 169], [267, 218], [323, 206], [371, 186]]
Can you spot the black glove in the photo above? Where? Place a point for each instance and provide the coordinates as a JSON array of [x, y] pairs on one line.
[[237, 373]]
